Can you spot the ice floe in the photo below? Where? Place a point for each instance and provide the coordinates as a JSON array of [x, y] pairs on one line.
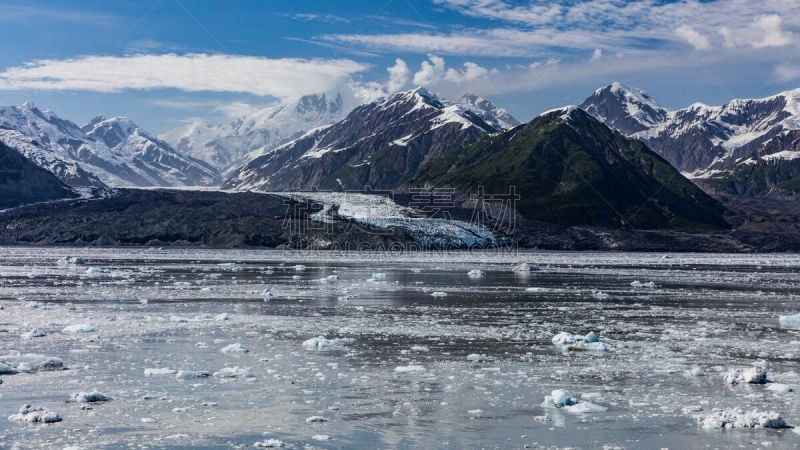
[[191, 374], [28, 363], [235, 348], [559, 398], [790, 321], [439, 294], [639, 284], [234, 372], [525, 268], [79, 328], [570, 342], [159, 371], [269, 443], [316, 419], [71, 261], [476, 273], [317, 343], [35, 333], [89, 397], [753, 375], [409, 369], [741, 418], [35, 414]]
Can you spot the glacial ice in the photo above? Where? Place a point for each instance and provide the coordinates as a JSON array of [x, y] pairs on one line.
[[89, 397], [559, 398], [234, 372], [741, 418], [35, 414], [571, 342], [28, 363], [317, 343], [235, 348], [753, 375]]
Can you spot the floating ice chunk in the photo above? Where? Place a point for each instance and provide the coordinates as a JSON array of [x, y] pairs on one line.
[[35, 333], [28, 363], [269, 443], [696, 372], [97, 272], [409, 369], [475, 273], [753, 375], [296, 277], [475, 412], [420, 348], [321, 437], [536, 289], [600, 295], [235, 348], [158, 371], [179, 319], [780, 387], [740, 418], [299, 267], [415, 270], [79, 328], [191, 374], [6, 369], [585, 408], [560, 399], [89, 397], [231, 267], [316, 419], [234, 372], [792, 321], [573, 343], [147, 420], [439, 294], [475, 357], [71, 261], [591, 337], [35, 414], [525, 268], [639, 284], [329, 279], [317, 343], [378, 276]]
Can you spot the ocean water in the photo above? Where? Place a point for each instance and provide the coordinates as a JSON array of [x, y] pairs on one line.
[[398, 367]]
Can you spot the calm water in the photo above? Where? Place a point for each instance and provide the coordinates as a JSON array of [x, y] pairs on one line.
[[399, 372]]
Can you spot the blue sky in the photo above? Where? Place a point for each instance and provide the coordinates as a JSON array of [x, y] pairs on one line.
[[162, 62]]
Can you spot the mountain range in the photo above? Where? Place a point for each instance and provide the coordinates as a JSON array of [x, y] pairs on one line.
[[22, 181], [259, 131], [376, 146], [104, 152], [746, 146], [618, 160]]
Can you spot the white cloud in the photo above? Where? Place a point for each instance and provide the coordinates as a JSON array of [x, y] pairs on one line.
[[787, 72], [282, 78], [695, 39], [596, 55], [541, 28], [770, 32], [430, 71], [399, 74]]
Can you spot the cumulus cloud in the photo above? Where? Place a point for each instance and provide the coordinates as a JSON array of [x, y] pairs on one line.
[[399, 74], [596, 55], [430, 71], [770, 32], [282, 78], [695, 39]]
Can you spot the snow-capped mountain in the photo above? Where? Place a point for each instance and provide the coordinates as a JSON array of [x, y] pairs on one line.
[[376, 145], [700, 140], [491, 114], [109, 154], [22, 181], [152, 159], [226, 146]]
